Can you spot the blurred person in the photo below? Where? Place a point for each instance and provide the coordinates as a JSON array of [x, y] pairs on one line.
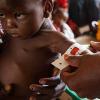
[[98, 6], [83, 12], [60, 17]]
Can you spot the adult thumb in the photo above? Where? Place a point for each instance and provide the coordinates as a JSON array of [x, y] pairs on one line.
[[73, 60]]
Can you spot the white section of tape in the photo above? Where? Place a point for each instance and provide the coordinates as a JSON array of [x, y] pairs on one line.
[[60, 63]]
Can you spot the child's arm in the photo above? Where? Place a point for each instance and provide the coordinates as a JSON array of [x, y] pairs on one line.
[[56, 41]]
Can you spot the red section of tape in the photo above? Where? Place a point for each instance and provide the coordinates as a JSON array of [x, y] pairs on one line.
[[74, 50]]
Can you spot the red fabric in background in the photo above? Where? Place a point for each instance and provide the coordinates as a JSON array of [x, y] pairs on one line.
[[63, 3]]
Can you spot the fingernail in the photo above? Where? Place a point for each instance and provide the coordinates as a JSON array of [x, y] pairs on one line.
[[42, 82]]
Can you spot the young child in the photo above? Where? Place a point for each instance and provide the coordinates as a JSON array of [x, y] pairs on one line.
[[25, 54], [60, 17]]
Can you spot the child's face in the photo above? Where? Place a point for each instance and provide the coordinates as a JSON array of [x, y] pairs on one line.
[[21, 18]]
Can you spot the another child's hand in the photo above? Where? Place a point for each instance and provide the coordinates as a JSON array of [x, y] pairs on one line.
[[48, 89]]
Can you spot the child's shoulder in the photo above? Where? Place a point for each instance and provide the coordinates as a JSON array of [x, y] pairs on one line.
[[44, 35], [48, 25]]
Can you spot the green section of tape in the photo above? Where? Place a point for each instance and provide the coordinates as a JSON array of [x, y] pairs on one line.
[[73, 94]]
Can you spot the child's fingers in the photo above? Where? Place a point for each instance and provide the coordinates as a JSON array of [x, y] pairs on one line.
[[53, 81], [41, 89], [35, 87], [36, 97], [41, 97]]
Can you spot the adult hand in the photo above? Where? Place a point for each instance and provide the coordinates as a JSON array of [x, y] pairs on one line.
[[86, 79], [48, 89], [95, 45]]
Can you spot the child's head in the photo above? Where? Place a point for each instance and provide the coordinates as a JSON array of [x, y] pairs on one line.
[[23, 18], [60, 11]]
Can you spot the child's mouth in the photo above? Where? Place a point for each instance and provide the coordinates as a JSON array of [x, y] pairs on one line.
[[11, 33], [14, 35]]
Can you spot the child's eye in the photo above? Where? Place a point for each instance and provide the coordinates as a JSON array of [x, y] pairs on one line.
[[19, 16], [2, 15]]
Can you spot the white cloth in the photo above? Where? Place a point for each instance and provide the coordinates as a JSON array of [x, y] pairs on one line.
[[67, 31]]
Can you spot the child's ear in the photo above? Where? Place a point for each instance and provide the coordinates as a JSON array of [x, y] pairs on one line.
[[48, 7]]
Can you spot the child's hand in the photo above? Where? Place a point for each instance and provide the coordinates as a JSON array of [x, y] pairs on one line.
[[48, 89], [86, 79]]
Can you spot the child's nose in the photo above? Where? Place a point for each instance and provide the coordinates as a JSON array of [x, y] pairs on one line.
[[10, 23]]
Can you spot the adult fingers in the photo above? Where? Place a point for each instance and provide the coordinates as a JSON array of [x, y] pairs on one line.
[[73, 60], [95, 45]]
